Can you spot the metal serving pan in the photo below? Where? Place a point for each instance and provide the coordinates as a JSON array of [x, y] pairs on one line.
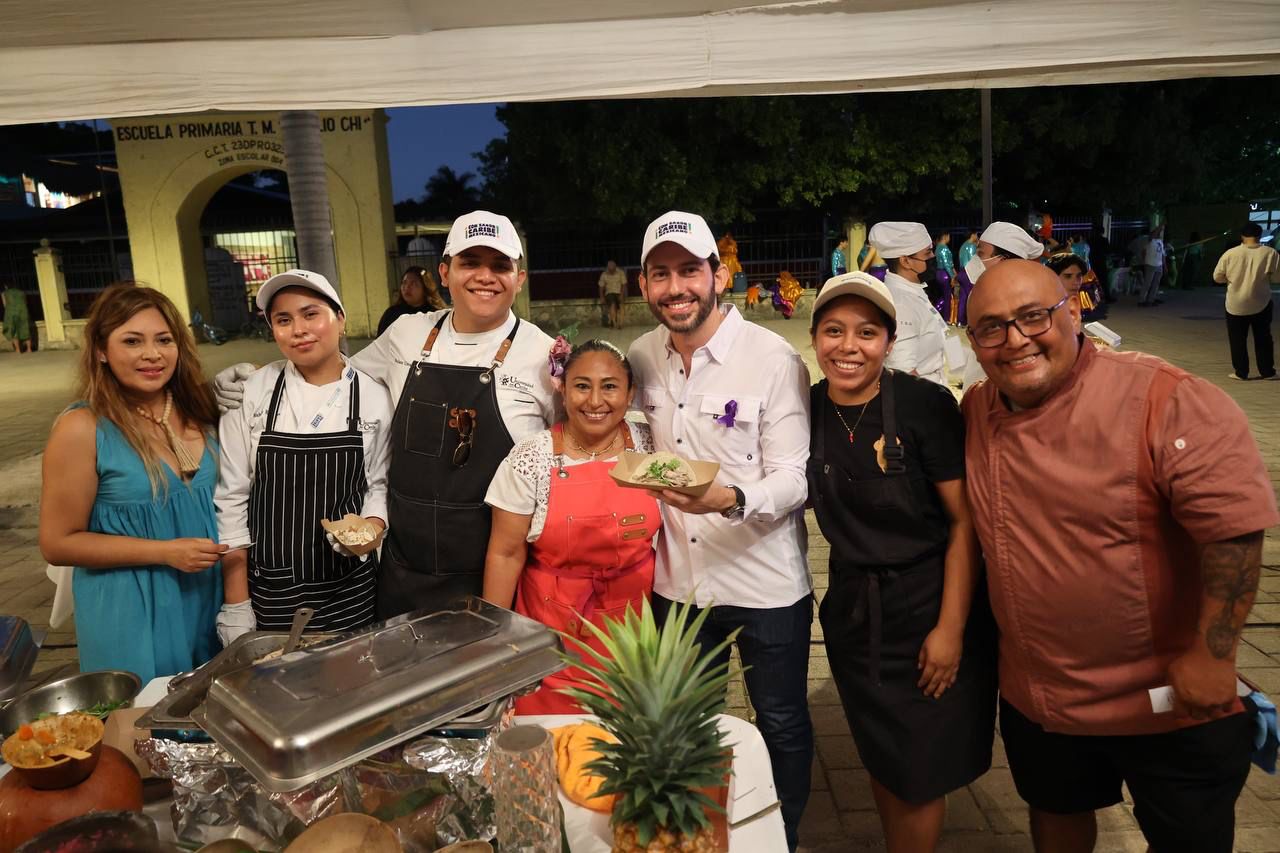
[[188, 691], [293, 720], [18, 649]]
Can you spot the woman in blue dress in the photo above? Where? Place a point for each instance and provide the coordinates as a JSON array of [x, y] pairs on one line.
[[127, 497]]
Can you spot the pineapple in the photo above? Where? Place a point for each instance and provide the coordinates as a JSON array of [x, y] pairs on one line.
[[659, 696]]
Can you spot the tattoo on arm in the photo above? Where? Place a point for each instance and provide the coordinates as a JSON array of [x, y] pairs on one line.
[[1229, 570]]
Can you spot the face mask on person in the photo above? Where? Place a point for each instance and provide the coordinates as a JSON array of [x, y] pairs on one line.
[[974, 268]]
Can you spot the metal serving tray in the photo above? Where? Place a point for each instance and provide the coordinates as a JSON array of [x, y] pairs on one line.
[[188, 691], [293, 720]]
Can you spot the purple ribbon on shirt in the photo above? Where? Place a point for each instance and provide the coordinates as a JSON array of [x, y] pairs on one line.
[[730, 413]]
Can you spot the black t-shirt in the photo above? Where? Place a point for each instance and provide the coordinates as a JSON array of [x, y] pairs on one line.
[[931, 431]]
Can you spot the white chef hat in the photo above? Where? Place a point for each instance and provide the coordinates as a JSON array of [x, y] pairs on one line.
[[899, 239], [1011, 238]]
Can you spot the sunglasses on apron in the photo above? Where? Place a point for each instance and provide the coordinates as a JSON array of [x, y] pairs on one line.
[[464, 421]]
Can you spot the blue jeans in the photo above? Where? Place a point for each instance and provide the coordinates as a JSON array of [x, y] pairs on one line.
[[774, 646]]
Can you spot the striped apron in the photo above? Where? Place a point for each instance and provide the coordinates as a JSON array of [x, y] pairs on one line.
[[300, 478]]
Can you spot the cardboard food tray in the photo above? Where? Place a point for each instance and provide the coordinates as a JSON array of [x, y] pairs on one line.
[[350, 521], [629, 464]]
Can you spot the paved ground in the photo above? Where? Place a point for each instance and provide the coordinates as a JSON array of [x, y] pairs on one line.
[[987, 816]]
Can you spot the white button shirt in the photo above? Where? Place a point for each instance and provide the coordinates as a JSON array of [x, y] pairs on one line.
[[758, 560], [526, 396], [304, 408], [922, 332]]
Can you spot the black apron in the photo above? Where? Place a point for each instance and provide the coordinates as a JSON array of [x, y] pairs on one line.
[[875, 617], [298, 479], [439, 523]]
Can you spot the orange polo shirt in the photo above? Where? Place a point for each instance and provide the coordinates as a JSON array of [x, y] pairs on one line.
[[1092, 510]]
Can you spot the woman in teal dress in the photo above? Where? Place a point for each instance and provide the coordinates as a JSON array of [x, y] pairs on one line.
[[127, 497]]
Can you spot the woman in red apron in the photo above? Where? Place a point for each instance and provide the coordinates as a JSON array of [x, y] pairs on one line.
[[568, 544]]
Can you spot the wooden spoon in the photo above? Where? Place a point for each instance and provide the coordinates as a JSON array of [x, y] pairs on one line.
[[69, 752]]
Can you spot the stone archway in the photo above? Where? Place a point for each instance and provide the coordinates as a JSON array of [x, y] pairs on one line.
[[170, 166]]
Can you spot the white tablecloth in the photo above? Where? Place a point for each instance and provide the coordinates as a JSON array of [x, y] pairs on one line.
[[751, 791]]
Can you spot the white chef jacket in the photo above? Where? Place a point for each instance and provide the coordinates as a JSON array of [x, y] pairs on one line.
[[526, 397], [921, 331], [758, 560], [304, 408]]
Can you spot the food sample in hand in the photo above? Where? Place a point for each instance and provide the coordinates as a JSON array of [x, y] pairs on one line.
[[359, 535], [666, 469]]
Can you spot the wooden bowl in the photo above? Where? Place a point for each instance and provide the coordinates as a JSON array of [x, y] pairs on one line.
[[347, 833], [85, 733], [25, 812]]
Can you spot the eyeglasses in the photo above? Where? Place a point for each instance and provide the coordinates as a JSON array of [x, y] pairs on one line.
[[464, 421], [1031, 324]]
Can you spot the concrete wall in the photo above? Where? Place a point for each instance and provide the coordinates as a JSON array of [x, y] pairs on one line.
[[170, 166]]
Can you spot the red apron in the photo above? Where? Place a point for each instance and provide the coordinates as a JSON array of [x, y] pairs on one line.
[[593, 559]]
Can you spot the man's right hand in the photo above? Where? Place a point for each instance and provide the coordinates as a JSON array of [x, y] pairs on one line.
[[228, 385]]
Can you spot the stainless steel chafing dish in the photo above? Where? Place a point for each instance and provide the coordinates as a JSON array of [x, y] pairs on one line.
[[295, 719]]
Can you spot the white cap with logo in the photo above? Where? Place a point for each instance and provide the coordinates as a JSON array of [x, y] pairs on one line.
[[482, 228], [857, 283], [684, 229], [1011, 238], [296, 278], [899, 239]]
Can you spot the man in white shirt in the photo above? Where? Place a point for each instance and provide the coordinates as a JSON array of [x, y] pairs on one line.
[[469, 382], [715, 387], [922, 333], [1248, 271], [1152, 267]]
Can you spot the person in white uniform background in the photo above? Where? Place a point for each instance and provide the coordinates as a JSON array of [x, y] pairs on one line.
[[310, 442], [737, 550], [922, 333], [469, 382], [998, 242]]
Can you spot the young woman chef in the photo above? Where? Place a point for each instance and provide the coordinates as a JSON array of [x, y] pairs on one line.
[[310, 442]]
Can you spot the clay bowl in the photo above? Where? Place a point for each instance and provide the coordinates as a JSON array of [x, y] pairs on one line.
[[65, 771], [98, 832], [347, 833]]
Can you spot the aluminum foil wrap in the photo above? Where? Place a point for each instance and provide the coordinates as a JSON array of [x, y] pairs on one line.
[[466, 763], [432, 791]]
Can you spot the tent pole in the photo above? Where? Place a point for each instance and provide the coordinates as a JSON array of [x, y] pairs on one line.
[[986, 157]]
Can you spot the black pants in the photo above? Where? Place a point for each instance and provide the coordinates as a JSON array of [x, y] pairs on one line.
[[774, 646], [1238, 328]]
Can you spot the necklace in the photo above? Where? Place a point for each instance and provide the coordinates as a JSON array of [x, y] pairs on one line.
[[844, 423], [187, 464], [592, 453]]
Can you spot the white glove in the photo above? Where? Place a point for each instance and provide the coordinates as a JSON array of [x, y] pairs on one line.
[[340, 548], [228, 385], [234, 620]]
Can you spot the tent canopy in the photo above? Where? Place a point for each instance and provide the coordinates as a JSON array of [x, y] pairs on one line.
[[63, 60]]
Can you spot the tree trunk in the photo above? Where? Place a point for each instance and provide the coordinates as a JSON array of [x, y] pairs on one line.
[[309, 193]]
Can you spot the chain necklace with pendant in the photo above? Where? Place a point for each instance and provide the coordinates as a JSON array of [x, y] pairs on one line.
[[592, 453], [845, 424]]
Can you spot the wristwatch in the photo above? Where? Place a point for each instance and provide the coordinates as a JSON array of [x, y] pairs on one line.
[[739, 504]]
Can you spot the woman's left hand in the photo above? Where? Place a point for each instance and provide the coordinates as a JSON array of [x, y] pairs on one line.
[[939, 660]]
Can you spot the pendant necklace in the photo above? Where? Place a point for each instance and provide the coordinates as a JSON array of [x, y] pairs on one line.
[[592, 453], [844, 423], [187, 464]]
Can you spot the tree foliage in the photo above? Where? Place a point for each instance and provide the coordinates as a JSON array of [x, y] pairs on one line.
[[905, 154], [446, 195]]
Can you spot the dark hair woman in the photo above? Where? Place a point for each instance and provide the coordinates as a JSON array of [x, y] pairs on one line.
[[568, 543], [418, 295], [914, 668], [127, 497]]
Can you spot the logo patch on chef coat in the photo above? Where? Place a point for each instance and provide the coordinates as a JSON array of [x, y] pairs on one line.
[[506, 380], [368, 426]]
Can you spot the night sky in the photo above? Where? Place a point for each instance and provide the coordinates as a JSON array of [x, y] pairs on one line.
[[421, 139]]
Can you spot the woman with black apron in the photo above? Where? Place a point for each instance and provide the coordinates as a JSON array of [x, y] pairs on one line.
[[311, 442], [914, 667]]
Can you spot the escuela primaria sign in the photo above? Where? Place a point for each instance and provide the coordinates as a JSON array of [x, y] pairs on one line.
[[248, 147]]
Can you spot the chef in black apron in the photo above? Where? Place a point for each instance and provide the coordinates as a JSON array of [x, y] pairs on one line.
[[915, 668], [313, 442], [468, 382]]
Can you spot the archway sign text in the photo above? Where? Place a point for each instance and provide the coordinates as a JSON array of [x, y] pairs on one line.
[[236, 141]]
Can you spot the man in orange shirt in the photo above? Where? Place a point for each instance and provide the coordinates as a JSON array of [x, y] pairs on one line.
[[1114, 577]]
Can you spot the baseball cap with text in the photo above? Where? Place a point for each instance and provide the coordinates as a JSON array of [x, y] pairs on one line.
[[296, 278], [482, 228], [684, 229]]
